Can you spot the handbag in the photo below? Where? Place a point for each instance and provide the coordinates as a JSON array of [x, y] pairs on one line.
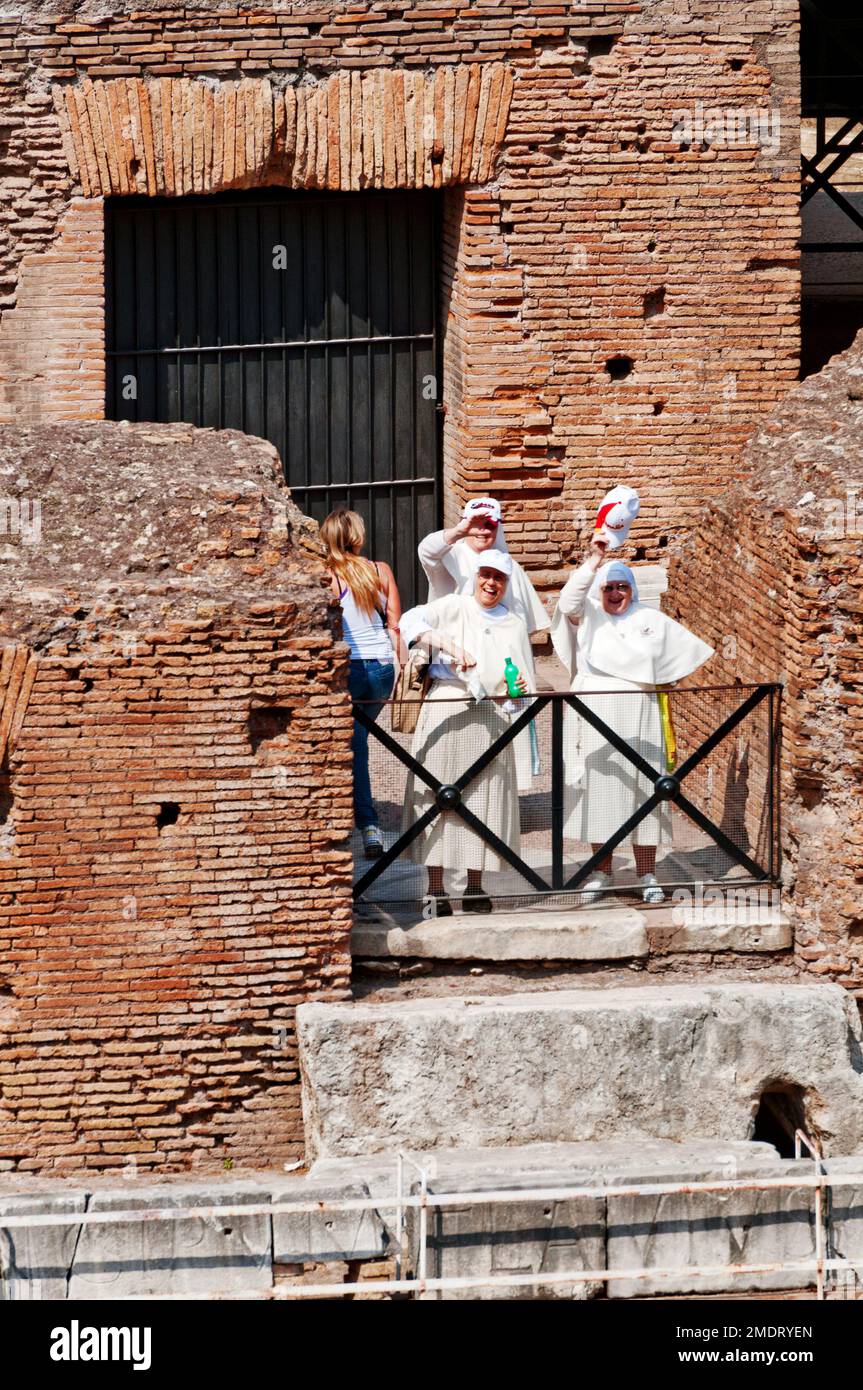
[[411, 688]]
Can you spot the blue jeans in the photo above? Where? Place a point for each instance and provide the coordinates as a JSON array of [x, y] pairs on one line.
[[367, 681]]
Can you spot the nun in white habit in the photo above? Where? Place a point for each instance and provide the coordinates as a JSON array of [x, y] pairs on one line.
[[449, 558], [610, 642], [469, 637]]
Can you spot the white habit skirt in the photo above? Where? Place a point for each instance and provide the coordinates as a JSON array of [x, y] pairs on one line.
[[450, 735], [602, 788]]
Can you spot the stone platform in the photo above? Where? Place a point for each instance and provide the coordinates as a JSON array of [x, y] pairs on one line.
[[595, 1063]]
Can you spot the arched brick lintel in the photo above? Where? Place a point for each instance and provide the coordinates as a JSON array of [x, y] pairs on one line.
[[385, 129]]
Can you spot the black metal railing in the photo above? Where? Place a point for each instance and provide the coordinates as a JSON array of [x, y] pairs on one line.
[[718, 802]]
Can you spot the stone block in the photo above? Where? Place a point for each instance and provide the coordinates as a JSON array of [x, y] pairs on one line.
[[322, 1237], [710, 1230], [622, 1063], [191, 1256], [613, 934], [35, 1261]]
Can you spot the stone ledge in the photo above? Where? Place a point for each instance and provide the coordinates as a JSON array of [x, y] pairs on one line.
[[580, 934], [616, 934]]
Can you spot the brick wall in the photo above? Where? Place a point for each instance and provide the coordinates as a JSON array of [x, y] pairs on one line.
[[773, 576], [174, 876], [582, 232]]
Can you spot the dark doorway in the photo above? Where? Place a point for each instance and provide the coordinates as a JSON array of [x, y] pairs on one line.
[[306, 319]]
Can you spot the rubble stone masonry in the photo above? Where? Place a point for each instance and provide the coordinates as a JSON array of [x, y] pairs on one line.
[[174, 796], [773, 577], [620, 291]]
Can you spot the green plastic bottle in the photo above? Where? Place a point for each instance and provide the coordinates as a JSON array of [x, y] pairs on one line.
[[510, 675]]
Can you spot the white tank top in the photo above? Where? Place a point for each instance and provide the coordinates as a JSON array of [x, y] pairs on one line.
[[364, 633]]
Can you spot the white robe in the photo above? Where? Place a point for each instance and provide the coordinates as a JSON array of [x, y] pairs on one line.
[[453, 729], [637, 652], [451, 569]]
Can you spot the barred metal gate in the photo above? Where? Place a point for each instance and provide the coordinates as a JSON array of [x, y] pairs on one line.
[[309, 320]]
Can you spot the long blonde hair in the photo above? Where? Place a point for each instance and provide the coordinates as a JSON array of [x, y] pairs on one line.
[[344, 533]]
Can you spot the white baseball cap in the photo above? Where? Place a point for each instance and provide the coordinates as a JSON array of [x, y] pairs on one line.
[[493, 560], [483, 506], [617, 511]]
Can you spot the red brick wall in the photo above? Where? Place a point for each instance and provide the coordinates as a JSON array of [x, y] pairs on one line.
[[149, 973], [579, 231]]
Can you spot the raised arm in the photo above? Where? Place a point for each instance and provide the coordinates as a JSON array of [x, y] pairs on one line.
[[574, 593]]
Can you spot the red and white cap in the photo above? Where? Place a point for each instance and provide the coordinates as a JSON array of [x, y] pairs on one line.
[[617, 511], [483, 506]]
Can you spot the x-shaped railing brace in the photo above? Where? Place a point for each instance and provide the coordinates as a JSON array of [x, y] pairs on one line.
[[666, 787], [448, 797]]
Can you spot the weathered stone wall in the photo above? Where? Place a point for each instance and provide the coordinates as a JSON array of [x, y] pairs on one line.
[[773, 576], [621, 301], [174, 876]]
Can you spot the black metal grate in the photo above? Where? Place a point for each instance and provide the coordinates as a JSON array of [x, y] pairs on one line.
[[308, 320]]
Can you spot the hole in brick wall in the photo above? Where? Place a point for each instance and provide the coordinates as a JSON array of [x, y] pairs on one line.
[[267, 723], [619, 367], [658, 407], [651, 246], [855, 930], [736, 64], [602, 44], [80, 614], [810, 789], [780, 1112], [640, 553], [663, 540], [7, 800], [169, 814], [654, 302]]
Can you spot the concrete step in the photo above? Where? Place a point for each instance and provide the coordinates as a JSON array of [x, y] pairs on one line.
[[578, 934], [650, 1062]]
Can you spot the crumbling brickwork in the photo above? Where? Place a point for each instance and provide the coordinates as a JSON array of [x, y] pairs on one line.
[[773, 576], [618, 299], [174, 876]]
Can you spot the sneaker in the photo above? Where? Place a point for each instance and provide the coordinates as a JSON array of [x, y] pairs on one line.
[[595, 888], [373, 845], [650, 889], [475, 900]]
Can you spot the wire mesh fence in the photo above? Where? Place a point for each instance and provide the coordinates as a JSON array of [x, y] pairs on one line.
[[524, 800]]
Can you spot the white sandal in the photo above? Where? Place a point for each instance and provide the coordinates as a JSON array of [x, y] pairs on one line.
[[595, 888], [651, 892]]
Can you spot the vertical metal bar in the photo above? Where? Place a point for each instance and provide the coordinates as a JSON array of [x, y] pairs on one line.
[[771, 860], [422, 1270], [400, 1214], [557, 793]]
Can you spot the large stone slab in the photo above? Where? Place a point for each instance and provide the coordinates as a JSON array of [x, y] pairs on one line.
[[35, 1260], [319, 1237], [711, 1230], [614, 934], [192, 1256], [663, 1062]]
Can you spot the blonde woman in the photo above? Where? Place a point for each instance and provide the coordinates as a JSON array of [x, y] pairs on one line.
[[371, 612]]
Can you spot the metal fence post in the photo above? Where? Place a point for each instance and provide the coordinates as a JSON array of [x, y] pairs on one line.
[[557, 793]]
